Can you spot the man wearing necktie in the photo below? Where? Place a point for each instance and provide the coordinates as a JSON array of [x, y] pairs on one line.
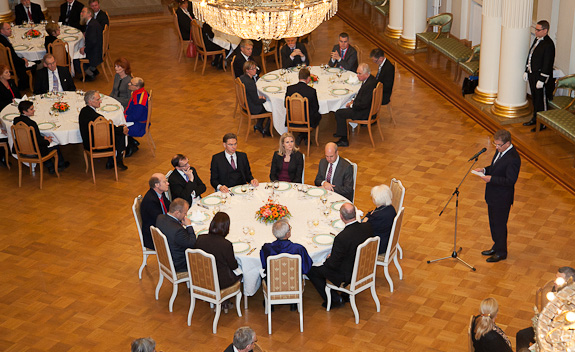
[[343, 55], [27, 11], [154, 203], [53, 78], [254, 100], [70, 13], [293, 54], [230, 168], [539, 70], [184, 180], [500, 178], [334, 173], [385, 73]]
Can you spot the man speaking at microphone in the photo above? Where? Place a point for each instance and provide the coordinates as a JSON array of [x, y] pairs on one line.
[[500, 178]]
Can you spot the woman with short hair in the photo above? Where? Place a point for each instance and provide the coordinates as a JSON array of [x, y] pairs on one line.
[[381, 218], [120, 90]]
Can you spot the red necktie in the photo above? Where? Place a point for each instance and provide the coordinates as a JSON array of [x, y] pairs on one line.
[[29, 15], [232, 162], [163, 206], [328, 178]]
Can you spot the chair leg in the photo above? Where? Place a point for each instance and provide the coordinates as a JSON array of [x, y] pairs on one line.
[[269, 309], [328, 294], [396, 262], [276, 58], [42, 173], [236, 108], [390, 114], [151, 143], [370, 135], [272, 126], [196, 64], [400, 251], [264, 63], [160, 281], [375, 298], [103, 65], [217, 317], [144, 262], [86, 160], [379, 129], [387, 277], [191, 311], [205, 61], [300, 310], [55, 166], [249, 126], [308, 140], [93, 172], [354, 308], [115, 167], [180, 58], [174, 294], [316, 134], [20, 173], [240, 123], [83, 72], [239, 303], [245, 298]]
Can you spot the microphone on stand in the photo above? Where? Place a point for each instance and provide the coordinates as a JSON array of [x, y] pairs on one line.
[[478, 154]]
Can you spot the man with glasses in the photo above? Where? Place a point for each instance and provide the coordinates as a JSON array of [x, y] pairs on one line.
[[136, 112], [244, 340], [53, 78], [500, 177], [184, 180], [343, 55], [255, 101], [539, 70], [385, 73]]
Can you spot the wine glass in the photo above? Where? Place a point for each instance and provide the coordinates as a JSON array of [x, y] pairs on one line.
[[269, 185], [326, 212], [310, 227], [216, 209], [244, 188], [252, 231], [224, 198], [323, 199], [276, 185]]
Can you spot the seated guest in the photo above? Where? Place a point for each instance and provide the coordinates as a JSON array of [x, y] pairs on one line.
[[179, 231], [70, 13], [303, 89], [53, 78], [26, 109], [99, 15], [244, 340], [136, 112], [381, 218], [154, 204], [293, 54], [358, 108], [287, 162], [343, 55], [20, 64], [89, 114], [184, 180], [93, 47], [282, 231], [145, 344], [486, 336], [334, 173], [8, 89], [27, 11], [338, 267], [385, 73], [208, 36], [185, 17], [255, 101], [3, 139], [230, 168], [243, 55], [121, 88], [53, 30]]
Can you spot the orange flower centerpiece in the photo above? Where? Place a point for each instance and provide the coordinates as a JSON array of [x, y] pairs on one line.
[[33, 33], [314, 78], [60, 107], [272, 212]]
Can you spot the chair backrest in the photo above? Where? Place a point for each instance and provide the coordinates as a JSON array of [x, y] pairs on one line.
[[60, 49], [398, 193], [359, 52], [232, 66], [541, 295], [241, 96], [25, 140], [475, 50], [105, 40], [303, 169], [138, 217], [6, 59], [269, 46], [197, 37], [149, 121], [442, 20], [354, 165], [297, 108], [365, 262], [177, 26], [280, 56], [568, 83], [203, 273], [376, 99], [169, 192], [101, 134], [165, 262], [284, 277], [394, 236], [470, 334]]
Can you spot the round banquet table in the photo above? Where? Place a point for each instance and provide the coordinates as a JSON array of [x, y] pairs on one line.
[[331, 95], [304, 209], [64, 127]]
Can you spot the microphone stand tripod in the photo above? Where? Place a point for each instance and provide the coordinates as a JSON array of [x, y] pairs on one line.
[[455, 253]]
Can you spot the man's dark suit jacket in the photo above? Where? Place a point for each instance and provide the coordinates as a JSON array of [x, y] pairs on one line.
[[87, 115], [19, 64], [149, 210], [295, 168], [500, 191], [221, 169], [184, 23], [42, 142], [94, 38], [74, 19], [542, 61], [362, 102], [311, 94], [286, 53], [386, 76], [179, 239], [239, 62], [255, 104], [342, 178], [42, 80], [102, 18], [223, 251], [21, 15], [381, 220], [349, 61], [182, 189]]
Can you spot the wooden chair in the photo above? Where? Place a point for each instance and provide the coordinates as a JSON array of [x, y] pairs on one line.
[[283, 284], [442, 21], [541, 299], [354, 165], [183, 43], [245, 111], [138, 217], [6, 59], [373, 114], [398, 194], [309, 39], [102, 143], [6, 152], [359, 52], [166, 265], [105, 42], [271, 50], [391, 252], [234, 76], [470, 334], [204, 284], [388, 106], [198, 39], [60, 49], [297, 116], [363, 276], [27, 150], [148, 124]]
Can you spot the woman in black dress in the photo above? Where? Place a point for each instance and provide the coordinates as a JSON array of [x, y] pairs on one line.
[[287, 162], [381, 218], [486, 336], [53, 30], [8, 89]]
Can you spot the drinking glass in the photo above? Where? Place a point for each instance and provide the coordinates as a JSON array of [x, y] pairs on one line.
[[216, 209], [244, 188]]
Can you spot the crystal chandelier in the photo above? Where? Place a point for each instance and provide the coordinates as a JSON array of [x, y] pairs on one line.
[[264, 19], [555, 327]]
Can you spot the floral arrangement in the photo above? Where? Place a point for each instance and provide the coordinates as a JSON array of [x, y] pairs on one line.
[[314, 78], [272, 212], [33, 33], [60, 107]]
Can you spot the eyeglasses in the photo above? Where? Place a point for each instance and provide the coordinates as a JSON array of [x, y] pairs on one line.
[[498, 145], [539, 30]]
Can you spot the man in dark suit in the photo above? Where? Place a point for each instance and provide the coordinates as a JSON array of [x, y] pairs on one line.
[[93, 44], [338, 267], [89, 114], [293, 54], [303, 89], [179, 231], [254, 100], [70, 12], [53, 78], [230, 168], [539, 71], [185, 16], [243, 55], [244, 340], [154, 204], [358, 108], [334, 173], [27, 11], [99, 15], [385, 73], [343, 55], [184, 180], [500, 177], [20, 64]]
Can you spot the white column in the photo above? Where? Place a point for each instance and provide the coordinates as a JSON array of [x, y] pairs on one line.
[[6, 14], [511, 101], [414, 21], [395, 25], [486, 91]]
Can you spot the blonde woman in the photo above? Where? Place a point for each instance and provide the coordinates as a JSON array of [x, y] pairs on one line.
[[486, 336], [287, 162]]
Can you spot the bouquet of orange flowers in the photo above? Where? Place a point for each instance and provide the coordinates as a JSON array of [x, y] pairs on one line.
[[314, 78], [60, 107], [33, 33], [271, 212]]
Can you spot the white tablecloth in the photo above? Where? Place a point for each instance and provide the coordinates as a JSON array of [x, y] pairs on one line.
[[328, 101], [33, 49], [242, 209]]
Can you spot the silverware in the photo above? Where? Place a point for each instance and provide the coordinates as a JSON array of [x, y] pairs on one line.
[[203, 206], [250, 252]]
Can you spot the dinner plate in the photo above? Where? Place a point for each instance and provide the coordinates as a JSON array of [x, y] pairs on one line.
[[270, 77], [44, 126], [238, 190], [333, 69], [272, 89], [241, 247], [202, 232], [69, 38], [205, 215], [110, 107], [338, 224], [354, 83], [324, 239], [339, 91], [21, 47], [284, 186], [295, 69], [10, 117], [71, 31], [211, 200], [316, 192], [336, 205]]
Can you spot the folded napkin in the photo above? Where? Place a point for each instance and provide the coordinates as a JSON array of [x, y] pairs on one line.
[[24, 98], [197, 216], [353, 79]]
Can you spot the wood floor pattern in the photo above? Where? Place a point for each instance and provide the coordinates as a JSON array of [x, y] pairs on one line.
[[69, 254]]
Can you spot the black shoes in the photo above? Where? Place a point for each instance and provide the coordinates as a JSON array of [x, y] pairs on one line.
[[131, 150], [495, 258], [266, 133], [120, 163], [336, 302], [342, 143], [64, 166], [488, 252], [90, 78], [530, 123], [543, 127]]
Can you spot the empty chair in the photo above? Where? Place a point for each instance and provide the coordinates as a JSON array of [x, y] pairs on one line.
[[391, 252], [102, 143], [564, 102], [398, 192], [471, 65], [138, 217], [442, 21]]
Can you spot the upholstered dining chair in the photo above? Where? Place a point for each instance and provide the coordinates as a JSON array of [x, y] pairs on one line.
[[442, 21], [566, 101], [198, 39], [373, 118], [270, 50], [391, 252], [204, 284], [363, 276], [102, 143], [105, 45], [297, 115], [183, 43], [383, 9], [60, 49], [398, 194], [138, 217], [354, 165], [245, 111]]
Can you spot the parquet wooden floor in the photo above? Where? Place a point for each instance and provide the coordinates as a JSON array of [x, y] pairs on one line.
[[69, 254]]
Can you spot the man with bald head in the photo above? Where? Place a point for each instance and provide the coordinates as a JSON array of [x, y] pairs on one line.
[[358, 108], [338, 267], [136, 112], [294, 53], [334, 173], [154, 204]]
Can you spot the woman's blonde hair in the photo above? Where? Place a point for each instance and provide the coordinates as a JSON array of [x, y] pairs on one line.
[[485, 322], [282, 149]]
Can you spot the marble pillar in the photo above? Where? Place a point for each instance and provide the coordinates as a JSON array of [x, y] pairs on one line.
[[486, 91], [414, 21], [395, 25]]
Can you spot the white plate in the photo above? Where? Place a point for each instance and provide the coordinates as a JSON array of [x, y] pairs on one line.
[[284, 186], [316, 192], [211, 200], [324, 239], [238, 190], [354, 83], [333, 69], [338, 224], [340, 91], [336, 205], [21, 47], [270, 77], [272, 89], [45, 126], [206, 217], [69, 38], [241, 247], [71, 31], [10, 117], [110, 107], [202, 232]]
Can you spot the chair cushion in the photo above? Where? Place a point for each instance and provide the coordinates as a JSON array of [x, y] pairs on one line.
[[182, 275], [452, 48], [278, 297], [561, 121], [471, 67], [425, 37], [560, 102]]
